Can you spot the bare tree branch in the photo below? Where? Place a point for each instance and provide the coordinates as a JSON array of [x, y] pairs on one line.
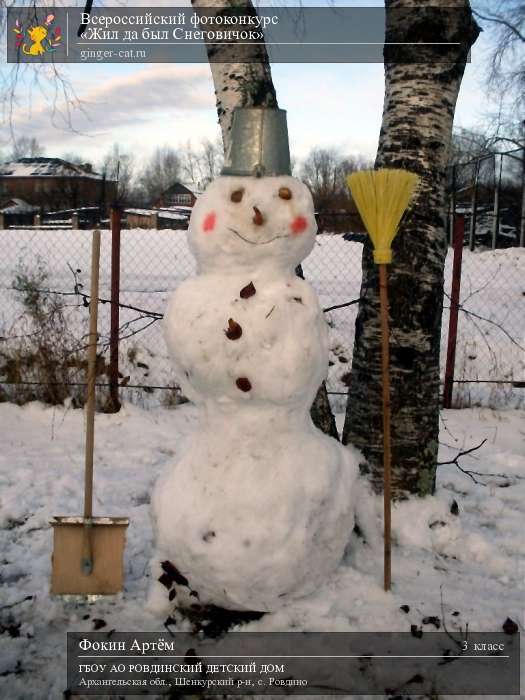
[[500, 20]]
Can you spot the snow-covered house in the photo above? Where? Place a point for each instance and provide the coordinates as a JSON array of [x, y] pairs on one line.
[[179, 194], [53, 183], [172, 218], [16, 212]]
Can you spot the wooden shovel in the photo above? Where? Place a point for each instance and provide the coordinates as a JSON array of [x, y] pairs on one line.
[[88, 552]]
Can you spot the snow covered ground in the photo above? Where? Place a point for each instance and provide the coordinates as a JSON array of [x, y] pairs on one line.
[[457, 556], [154, 262], [464, 568]]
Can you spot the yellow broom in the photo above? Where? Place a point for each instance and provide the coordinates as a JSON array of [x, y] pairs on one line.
[[382, 196]]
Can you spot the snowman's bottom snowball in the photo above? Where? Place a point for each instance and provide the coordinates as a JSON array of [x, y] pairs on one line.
[[266, 525]]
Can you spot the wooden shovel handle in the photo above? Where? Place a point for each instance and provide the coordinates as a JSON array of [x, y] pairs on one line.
[[92, 377], [387, 451], [86, 563], [87, 543]]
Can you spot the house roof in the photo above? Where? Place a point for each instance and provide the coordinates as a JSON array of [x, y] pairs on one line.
[[14, 205], [163, 213], [46, 167], [195, 187], [178, 209], [183, 188]]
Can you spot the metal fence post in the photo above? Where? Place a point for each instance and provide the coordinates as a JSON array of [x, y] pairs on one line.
[[474, 208], [495, 222], [522, 221], [459, 234], [452, 206], [114, 402]]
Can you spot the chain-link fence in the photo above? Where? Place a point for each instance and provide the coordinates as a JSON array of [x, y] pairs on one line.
[[489, 190], [45, 268], [489, 365], [44, 280], [488, 194], [43, 317]]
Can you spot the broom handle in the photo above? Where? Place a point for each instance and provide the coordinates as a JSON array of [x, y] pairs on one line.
[[92, 376], [387, 457]]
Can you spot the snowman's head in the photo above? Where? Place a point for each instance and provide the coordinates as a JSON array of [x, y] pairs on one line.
[[245, 222]]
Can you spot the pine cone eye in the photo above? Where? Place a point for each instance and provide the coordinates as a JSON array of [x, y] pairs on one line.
[[236, 196], [285, 193]]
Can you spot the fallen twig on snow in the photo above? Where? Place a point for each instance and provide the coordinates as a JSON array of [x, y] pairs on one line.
[[471, 473], [468, 472]]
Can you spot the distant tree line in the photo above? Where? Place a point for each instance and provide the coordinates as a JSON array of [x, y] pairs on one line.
[[324, 170]]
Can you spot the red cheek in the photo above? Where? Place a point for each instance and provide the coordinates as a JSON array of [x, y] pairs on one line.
[[299, 224], [209, 222]]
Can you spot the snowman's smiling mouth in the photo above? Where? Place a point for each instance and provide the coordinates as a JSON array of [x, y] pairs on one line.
[[247, 240]]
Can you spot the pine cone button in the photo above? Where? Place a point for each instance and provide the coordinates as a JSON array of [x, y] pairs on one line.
[[248, 291], [234, 330], [243, 384]]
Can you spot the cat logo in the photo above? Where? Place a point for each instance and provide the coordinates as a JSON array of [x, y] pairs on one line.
[[38, 39]]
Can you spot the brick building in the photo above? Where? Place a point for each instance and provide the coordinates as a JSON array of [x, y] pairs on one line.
[[53, 183]]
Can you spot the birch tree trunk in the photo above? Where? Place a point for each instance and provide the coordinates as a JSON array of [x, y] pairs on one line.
[[250, 84], [415, 135], [247, 84]]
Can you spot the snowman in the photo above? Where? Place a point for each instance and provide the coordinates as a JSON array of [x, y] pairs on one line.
[[259, 508]]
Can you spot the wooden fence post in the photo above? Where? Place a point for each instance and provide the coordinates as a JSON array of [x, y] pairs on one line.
[[114, 401], [459, 234]]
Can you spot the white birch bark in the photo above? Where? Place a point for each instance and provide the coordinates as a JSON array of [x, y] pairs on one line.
[[250, 85], [237, 84], [415, 134]]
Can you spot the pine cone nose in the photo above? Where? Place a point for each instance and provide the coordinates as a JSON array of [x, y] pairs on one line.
[[258, 218]]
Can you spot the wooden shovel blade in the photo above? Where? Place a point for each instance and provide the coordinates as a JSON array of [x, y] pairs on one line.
[[108, 538]]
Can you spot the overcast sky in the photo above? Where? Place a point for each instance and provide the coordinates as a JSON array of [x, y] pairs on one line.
[[142, 106]]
